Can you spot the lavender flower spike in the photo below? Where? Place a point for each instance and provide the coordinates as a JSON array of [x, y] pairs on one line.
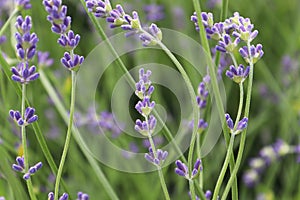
[[23, 4], [20, 166], [197, 168], [29, 116], [72, 62], [24, 74], [99, 8], [255, 53], [69, 40], [157, 159], [239, 74], [226, 44], [82, 196], [181, 169], [242, 124], [65, 196]]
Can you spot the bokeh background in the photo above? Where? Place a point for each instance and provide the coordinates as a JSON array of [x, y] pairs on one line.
[[274, 115]]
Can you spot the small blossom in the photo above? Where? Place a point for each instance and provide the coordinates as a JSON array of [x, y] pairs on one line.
[[20, 166], [29, 116], [23, 4], [208, 194], [242, 124], [158, 158], [182, 170], [250, 178], [23, 74], [244, 28], [144, 128], [238, 74], [202, 95], [226, 44], [82, 196], [99, 8], [202, 125], [255, 53], [145, 107], [65, 196], [116, 17], [72, 62], [57, 16], [69, 40]]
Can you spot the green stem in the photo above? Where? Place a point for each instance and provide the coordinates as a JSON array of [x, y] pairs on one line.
[[224, 168], [243, 137], [24, 144], [160, 174], [4, 27], [238, 116], [224, 10], [63, 112], [215, 87], [192, 189], [68, 137], [199, 156]]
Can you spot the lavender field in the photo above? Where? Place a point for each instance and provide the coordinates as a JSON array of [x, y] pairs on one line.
[[149, 99]]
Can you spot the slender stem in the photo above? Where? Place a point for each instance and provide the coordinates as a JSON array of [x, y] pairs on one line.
[[243, 137], [224, 168], [4, 27], [24, 144], [199, 156], [224, 9], [233, 60], [215, 87], [238, 116], [160, 174], [68, 137], [63, 112], [192, 189]]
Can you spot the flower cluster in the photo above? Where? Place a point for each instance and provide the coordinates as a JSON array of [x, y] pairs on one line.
[[117, 17], [64, 196], [23, 4], [182, 170], [61, 24], [20, 167], [82, 196], [229, 35], [241, 125], [144, 89], [267, 155], [29, 116], [26, 50]]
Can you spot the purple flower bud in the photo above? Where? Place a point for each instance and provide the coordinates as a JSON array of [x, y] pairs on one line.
[[23, 4], [72, 62], [238, 74], [65, 196], [157, 159], [242, 124], [43, 59], [69, 40], [82, 196], [208, 194], [26, 176], [181, 169], [154, 12], [51, 196], [229, 121]]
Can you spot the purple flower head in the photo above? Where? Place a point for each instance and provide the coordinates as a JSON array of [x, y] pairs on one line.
[[23, 4], [244, 28], [146, 128], [82, 196], [99, 8], [281, 148], [117, 17], [197, 168], [29, 116], [131, 23], [23, 74], [229, 121], [57, 16], [145, 107], [208, 194], [69, 40], [72, 62], [207, 20], [213, 3], [26, 42], [158, 158], [254, 55], [181, 169], [151, 37], [43, 59], [65, 196], [144, 87], [250, 178], [226, 44], [242, 124], [202, 95], [239, 74], [202, 125], [32, 170], [20, 166], [154, 12]]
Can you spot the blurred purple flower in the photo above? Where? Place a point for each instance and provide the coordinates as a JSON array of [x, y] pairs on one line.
[[154, 12]]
